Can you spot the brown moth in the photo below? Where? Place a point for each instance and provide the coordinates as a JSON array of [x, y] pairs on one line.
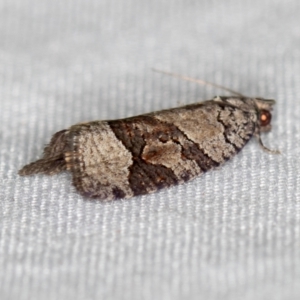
[[142, 154]]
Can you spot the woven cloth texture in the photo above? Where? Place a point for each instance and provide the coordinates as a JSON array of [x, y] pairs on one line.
[[233, 233]]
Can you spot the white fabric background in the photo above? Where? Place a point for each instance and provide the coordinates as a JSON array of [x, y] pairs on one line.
[[233, 233]]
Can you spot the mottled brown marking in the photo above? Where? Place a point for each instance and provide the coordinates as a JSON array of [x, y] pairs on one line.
[[169, 154], [144, 177], [191, 151], [158, 144], [147, 178]]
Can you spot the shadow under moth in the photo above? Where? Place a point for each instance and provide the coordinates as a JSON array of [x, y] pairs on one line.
[[142, 154]]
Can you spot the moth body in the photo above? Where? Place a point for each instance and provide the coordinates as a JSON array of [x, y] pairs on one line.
[[140, 155]]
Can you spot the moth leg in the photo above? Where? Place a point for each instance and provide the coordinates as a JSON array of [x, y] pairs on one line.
[[264, 147], [53, 161]]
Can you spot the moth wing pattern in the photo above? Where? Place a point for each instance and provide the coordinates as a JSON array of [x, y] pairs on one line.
[[139, 155]]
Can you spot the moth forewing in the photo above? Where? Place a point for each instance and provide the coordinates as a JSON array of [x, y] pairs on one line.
[[140, 155]]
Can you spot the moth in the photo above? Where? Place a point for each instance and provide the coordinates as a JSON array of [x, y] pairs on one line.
[[139, 155]]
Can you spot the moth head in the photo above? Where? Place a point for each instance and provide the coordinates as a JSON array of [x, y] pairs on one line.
[[264, 108]]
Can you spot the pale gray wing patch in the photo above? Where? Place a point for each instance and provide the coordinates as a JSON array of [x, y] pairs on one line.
[[102, 169], [201, 126]]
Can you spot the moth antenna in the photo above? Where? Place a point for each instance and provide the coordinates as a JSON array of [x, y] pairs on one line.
[[266, 148], [200, 81]]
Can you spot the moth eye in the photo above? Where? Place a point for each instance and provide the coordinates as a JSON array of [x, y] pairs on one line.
[[265, 117]]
